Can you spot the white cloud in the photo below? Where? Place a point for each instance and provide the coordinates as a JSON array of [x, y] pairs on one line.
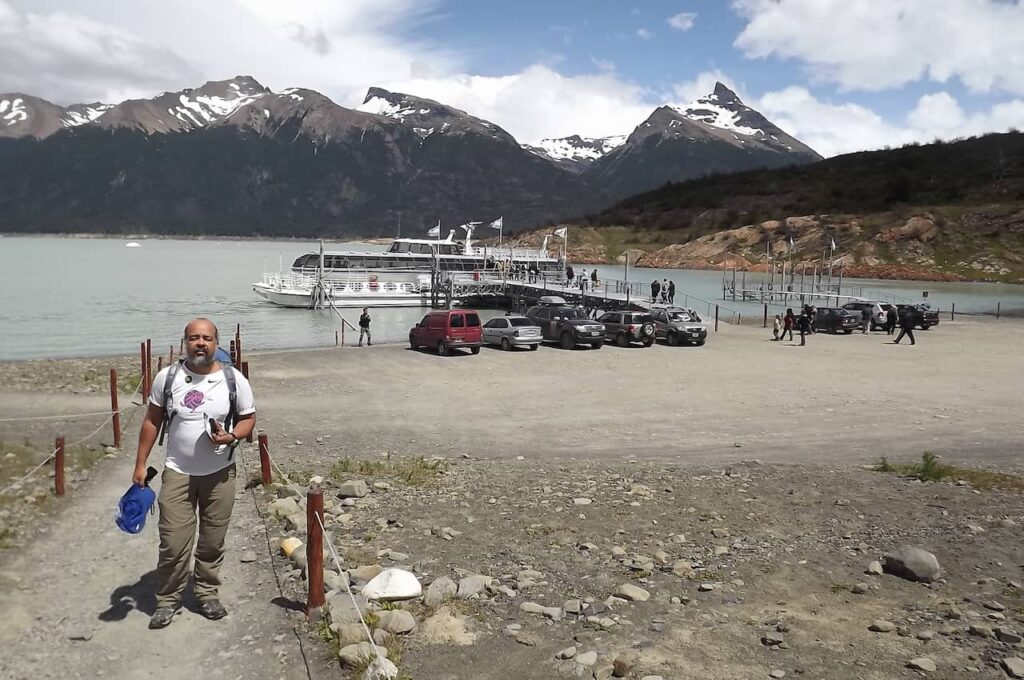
[[69, 57], [886, 44], [832, 129], [702, 85], [643, 34], [539, 102], [682, 21]]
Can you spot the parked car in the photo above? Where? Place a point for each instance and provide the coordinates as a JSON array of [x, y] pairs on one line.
[[877, 312], [836, 320], [924, 316], [679, 326], [512, 331], [569, 326], [447, 330], [627, 327]]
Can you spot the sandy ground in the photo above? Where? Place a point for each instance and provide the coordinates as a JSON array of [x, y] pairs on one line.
[[685, 416]]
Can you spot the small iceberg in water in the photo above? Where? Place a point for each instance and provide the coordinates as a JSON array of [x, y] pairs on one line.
[[133, 244]]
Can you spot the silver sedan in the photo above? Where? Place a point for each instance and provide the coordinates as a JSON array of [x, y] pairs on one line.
[[512, 331]]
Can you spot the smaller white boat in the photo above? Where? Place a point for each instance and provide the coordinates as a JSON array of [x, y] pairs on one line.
[[133, 244]]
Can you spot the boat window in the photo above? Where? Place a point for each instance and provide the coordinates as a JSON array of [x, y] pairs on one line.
[[472, 320], [306, 261], [448, 250], [370, 263], [459, 321]]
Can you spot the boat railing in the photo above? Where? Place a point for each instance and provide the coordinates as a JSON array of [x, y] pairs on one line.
[[500, 252]]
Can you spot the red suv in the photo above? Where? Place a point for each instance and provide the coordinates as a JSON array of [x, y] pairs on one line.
[[446, 330]]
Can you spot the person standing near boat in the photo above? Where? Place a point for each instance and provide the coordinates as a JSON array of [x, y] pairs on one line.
[[655, 289], [364, 327]]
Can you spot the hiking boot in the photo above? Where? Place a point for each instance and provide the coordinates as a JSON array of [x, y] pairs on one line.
[[162, 617], [212, 609]]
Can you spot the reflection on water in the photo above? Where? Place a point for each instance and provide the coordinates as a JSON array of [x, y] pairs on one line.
[[81, 297]]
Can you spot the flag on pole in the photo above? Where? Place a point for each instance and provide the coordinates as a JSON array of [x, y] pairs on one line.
[[833, 243], [496, 224], [435, 232], [561, 233], [792, 244]]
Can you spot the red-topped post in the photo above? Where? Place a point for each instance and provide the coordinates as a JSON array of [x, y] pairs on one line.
[[264, 459], [58, 468]]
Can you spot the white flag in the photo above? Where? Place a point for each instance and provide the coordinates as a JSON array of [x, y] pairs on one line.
[[435, 232], [561, 233], [833, 242], [791, 243], [497, 224]]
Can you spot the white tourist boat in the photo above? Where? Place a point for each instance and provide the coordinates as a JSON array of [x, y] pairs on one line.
[[399, 276]]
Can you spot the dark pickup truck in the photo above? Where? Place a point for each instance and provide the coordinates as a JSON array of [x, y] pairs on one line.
[[924, 316], [836, 320], [569, 326]]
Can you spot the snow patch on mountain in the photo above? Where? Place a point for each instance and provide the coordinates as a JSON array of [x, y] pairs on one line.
[[80, 114], [382, 107], [711, 113], [13, 111], [578, 148]]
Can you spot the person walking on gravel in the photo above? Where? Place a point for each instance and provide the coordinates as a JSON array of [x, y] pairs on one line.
[[906, 328], [364, 327], [204, 409], [787, 324], [805, 328]]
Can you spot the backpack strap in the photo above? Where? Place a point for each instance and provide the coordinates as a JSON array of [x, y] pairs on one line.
[[229, 421], [169, 410]]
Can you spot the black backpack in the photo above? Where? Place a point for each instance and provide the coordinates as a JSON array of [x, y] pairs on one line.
[[170, 411]]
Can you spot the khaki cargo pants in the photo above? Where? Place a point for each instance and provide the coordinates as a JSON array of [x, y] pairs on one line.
[[181, 496]]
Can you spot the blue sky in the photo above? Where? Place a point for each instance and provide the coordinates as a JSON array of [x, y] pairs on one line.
[[838, 74]]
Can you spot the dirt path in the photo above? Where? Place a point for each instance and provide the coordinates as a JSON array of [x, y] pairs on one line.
[[82, 578]]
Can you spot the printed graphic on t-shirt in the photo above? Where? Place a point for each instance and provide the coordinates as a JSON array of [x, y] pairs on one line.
[[193, 399]]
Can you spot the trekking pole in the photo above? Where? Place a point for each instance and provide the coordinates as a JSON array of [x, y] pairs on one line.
[[314, 551], [116, 417], [58, 468]]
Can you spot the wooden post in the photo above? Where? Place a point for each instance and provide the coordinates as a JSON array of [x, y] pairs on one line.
[[116, 420], [244, 368], [142, 370], [765, 323], [58, 468], [335, 338], [238, 343], [234, 359], [170, 355], [952, 312], [716, 318], [264, 459], [739, 318], [997, 309], [159, 363], [314, 551], [343, 333]]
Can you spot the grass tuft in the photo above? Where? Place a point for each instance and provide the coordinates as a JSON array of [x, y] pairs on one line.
[[930, 469], [416, 471]]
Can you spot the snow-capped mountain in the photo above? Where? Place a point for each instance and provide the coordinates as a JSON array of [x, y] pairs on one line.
[[716, 134], [576, 153], [426, 116], [185, 110], [23, 115]]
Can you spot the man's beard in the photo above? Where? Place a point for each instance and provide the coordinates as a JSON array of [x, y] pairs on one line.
[[200, 360]]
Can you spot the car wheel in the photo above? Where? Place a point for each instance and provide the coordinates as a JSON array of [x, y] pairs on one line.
[[672, 339], [474, 350], [924, 328], [533, 348], [621, 340], [598, 345], [648, 342], [566, 341], [506, 345], [442, 348], [412, 342], [699, 343]]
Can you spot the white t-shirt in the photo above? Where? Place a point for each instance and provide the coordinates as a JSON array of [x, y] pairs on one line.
[[197, 398]]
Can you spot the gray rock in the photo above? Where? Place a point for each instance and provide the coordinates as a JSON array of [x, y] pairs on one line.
[[248, 556], [682, 568], [472, 585], [362, 575], [581, 501], [925, 635], [586, 658], [881, 626], [343, 610], [80, 634], [922, 664], [874, 568], [772, 639], [356, 655], [981, 631], [624, 664], [777, 674], [914, 564], [1014, 666], [573, 606], [567, 653], [283, 507], [628, 591], [355, 488], [531, 608], [396, 621], [859, 589], [994, 606], [1008, 636], [440, 590], [553, 613], [335, 581]]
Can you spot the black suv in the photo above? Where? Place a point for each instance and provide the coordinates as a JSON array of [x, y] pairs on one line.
[[626, 327], [570, 326], [836, 320], [924, 316]]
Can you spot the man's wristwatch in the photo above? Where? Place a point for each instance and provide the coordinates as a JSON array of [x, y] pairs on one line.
[[234, 438]]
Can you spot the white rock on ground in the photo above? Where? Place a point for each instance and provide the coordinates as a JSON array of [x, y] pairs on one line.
[[914, 564], [628, 591], [391, 585]]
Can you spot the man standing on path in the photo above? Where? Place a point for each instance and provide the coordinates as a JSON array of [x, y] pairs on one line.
[[906, 327], [655, 288], [865, 319], [364, 327], [671, 292], [208, 411], [890, 320]]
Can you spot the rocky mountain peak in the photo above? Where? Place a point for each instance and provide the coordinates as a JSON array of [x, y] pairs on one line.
[[426, 116]]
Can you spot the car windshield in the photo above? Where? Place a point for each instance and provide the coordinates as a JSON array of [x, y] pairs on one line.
[[682, 316], [572, 313], [521, 322]]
